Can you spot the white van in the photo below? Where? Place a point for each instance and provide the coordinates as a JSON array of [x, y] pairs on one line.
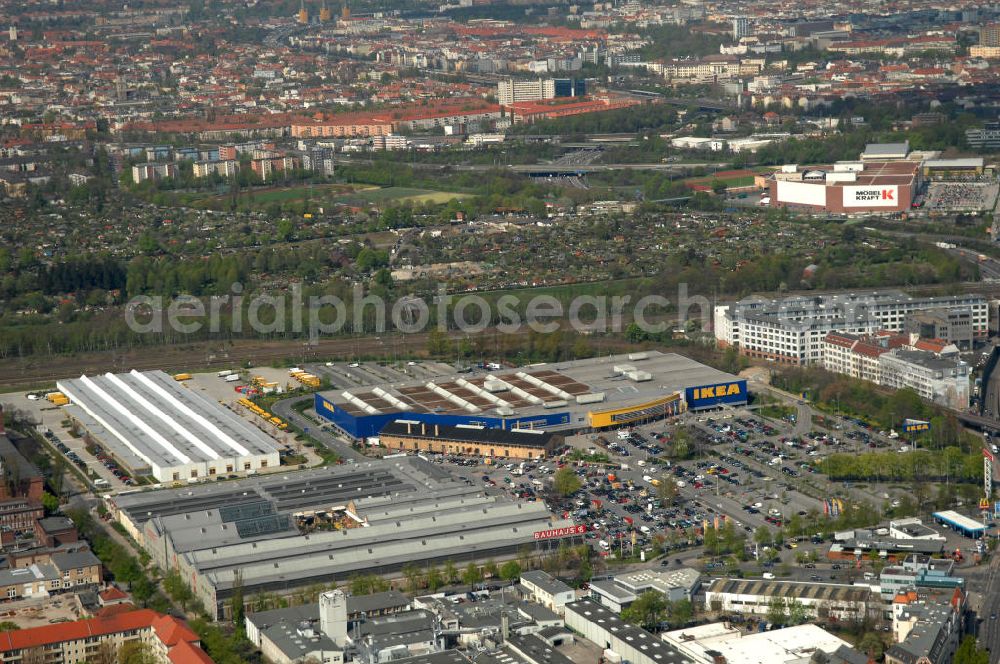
[[769, 575], [604, 544], [623, 434], [645, 530]]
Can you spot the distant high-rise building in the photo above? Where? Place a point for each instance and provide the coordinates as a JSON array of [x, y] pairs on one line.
[[989, 35], [510, 91], [324, 13], [741, 27], [303, 14], [13, 33]]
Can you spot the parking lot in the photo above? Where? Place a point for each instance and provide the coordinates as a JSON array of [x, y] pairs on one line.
[[754, 471]]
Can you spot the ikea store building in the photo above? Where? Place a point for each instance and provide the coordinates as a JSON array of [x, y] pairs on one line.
[[583, 395]]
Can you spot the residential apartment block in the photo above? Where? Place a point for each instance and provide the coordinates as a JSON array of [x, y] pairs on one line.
[[170, 641], [926, 627], [943, 380], [150, 171], [792, 330], [931, 368]]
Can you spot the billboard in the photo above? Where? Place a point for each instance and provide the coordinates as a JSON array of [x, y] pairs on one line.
[[886, 195], [914, 426], [709, 396], [560, 532], [801, 193]]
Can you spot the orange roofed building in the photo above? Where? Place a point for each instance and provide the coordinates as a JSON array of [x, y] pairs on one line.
[[170, 641]]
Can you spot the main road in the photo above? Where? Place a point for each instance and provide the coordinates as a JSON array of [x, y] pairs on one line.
[[321, 433]]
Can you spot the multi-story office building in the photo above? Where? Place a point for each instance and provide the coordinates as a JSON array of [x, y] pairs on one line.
[[951, 325], [510, 91], [986, 137], [741, 27], [989, 35], [792, 330]]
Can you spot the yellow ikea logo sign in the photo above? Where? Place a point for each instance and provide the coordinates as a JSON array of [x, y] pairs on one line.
[[923, 426], [328, 405], [716, 391]]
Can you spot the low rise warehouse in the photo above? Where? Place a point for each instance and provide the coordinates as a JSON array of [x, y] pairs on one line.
[[278, 533], [153, 426], [415, 436], [593, 394]]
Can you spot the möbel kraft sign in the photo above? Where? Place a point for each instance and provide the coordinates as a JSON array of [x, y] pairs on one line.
[[872, 196]]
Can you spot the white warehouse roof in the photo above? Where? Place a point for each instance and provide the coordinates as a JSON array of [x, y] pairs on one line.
[[150, 416]]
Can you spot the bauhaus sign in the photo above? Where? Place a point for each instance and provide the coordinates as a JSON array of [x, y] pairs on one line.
[[872, 196], [560, 532]]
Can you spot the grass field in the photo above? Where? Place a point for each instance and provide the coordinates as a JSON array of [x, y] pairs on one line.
[[402, 194], [356, 194], [732, 179]]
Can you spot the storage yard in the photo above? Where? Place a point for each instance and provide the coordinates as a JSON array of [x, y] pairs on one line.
[[152, 425], [597, 393], [283, 532]]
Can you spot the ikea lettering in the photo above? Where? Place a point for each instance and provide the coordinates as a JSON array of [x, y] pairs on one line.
[[871, 196], [716, 391], [711, 396], [911, 426]]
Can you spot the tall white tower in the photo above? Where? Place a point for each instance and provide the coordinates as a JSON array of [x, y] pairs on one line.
[[333, 616], [13, 33]]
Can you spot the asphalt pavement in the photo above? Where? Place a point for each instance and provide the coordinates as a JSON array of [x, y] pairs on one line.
[[321, 433]]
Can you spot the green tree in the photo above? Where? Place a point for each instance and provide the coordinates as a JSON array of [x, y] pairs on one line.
[[472, 575], [450, 571], [667, 490], [434, 580], [680, 444], [648, 610], [681, 612], [565, 482], [49, 502], [970, 653], [777, 613], [136, 652], [510, 570], [8, 626], [797, 612], [871, 644], [412, 574]]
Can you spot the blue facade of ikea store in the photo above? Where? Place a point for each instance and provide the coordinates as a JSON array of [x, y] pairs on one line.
[[730, 393], [363, 426]]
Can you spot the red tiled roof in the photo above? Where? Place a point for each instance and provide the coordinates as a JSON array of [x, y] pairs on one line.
[[171, 631], [185, 653], [115, 609], [112, 594], [81, 629]]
